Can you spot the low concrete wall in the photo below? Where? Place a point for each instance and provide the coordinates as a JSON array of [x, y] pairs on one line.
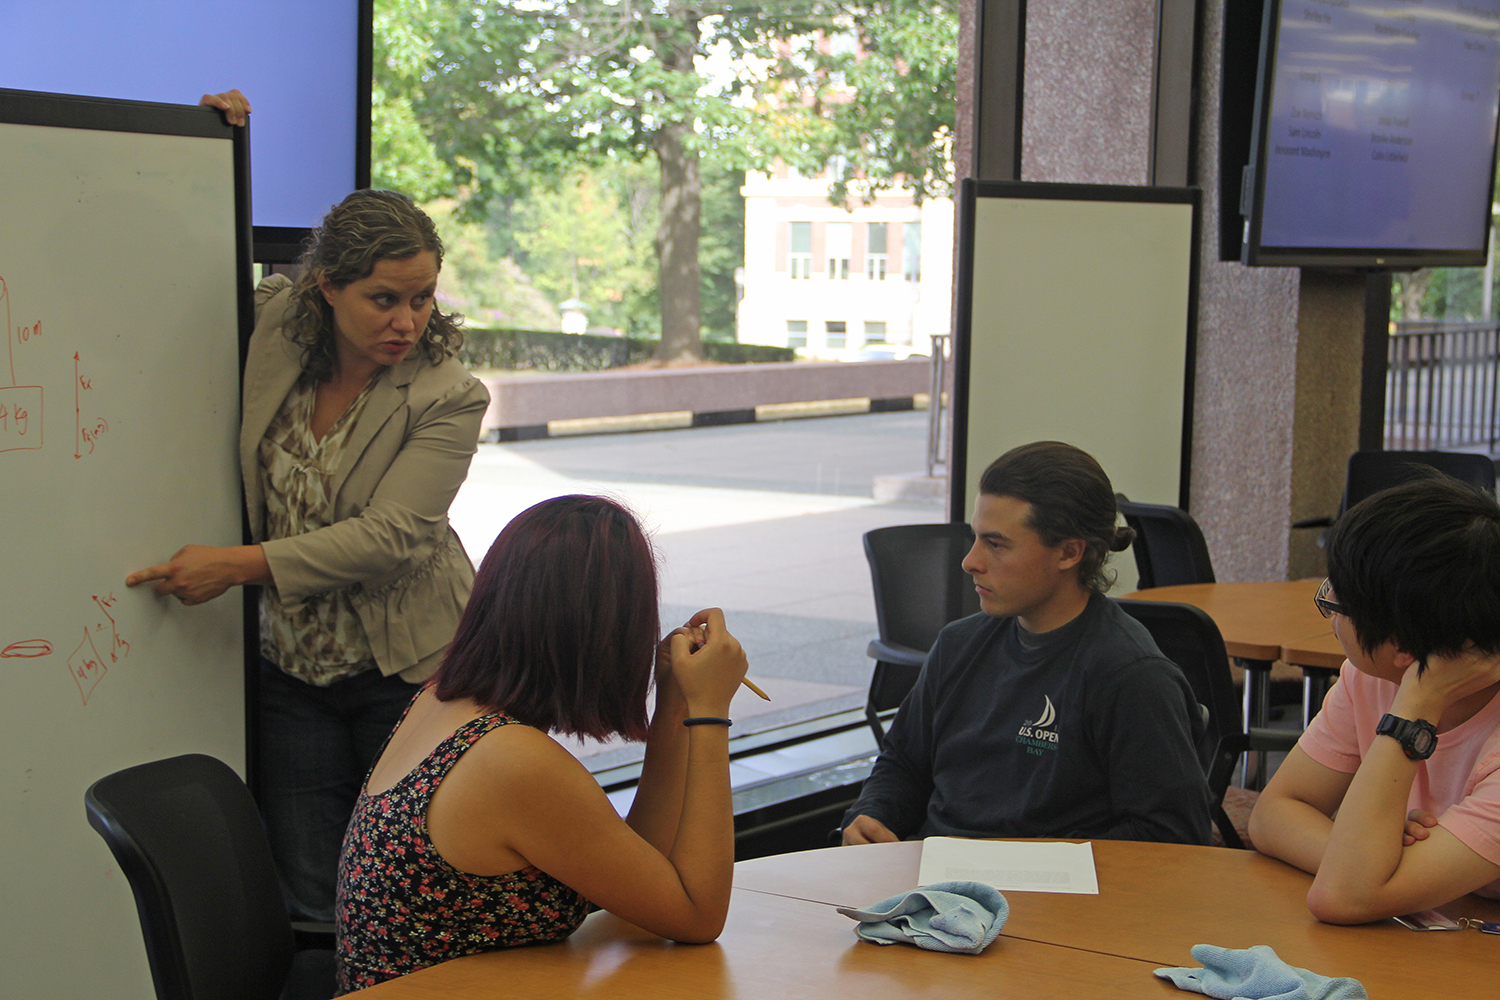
[[522, 405]]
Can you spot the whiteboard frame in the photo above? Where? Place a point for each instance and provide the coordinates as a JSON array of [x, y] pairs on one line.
[[116, 939], [1172, 341]]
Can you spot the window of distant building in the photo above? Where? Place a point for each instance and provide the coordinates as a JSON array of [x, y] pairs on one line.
[[796, 333], [840, 239], [874, 332], [799, 262], [836, 332], [875, 251], [911, 251]]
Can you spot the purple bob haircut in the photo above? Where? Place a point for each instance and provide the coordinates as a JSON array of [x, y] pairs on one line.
[[561, 630]]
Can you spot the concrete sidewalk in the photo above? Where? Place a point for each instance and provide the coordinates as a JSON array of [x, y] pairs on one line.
[[764, 521]]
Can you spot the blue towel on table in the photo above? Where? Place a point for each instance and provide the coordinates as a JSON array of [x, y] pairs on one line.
[[1257, 974], [961, 917]]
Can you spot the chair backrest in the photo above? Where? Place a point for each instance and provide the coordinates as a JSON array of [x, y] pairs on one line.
[[920, 585], [1169, 547], [1189, 638], [1372, 471], [189, 839]]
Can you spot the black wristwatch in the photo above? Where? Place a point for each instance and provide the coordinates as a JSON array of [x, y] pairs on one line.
[[1418, 737]]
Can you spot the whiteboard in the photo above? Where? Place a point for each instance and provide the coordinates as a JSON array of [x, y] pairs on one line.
[[120, 286], [1075, 323]]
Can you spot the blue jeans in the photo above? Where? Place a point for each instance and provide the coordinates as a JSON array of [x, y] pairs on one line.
[[316, 747]]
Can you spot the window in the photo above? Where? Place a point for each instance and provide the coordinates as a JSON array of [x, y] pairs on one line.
[[840, 237], [911, 251], [875, 251], [835, 334], [796, 333], [874, 332], [799, 262]]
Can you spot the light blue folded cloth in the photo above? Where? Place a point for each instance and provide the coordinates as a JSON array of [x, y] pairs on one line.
[[962, 917], [1258, 973]]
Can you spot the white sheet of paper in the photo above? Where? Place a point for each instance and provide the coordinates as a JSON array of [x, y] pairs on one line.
[[1010, 865]]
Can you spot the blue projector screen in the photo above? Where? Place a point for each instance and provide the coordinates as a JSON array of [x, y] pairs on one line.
[[1379, 134], [297, 61]]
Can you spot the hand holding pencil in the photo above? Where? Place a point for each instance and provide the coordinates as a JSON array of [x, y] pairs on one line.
[[698, 635]]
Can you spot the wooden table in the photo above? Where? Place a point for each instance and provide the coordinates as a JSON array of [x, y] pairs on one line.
[[1257, 620], [1320, 656], [783, 938], [1158, 900]]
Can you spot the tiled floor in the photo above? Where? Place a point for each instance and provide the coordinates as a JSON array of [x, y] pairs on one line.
[[763, 520]]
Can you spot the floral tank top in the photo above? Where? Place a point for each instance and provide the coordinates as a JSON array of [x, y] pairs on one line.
[[401, 907]]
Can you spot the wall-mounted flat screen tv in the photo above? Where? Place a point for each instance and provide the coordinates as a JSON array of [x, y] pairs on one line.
[[1375, 128], [304, 65]]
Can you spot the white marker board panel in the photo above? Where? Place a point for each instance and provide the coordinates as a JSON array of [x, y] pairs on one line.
[[1075, 324], [120, 285]]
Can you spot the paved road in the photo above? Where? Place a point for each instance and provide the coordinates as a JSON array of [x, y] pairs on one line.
[[763, 520]]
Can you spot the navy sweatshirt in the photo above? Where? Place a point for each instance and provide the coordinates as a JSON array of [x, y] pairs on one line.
[[1084, 731]]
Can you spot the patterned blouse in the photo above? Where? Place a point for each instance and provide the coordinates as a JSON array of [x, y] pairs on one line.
[[401, 907], [319, 640]]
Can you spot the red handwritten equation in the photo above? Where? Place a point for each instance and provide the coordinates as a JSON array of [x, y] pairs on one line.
[[100, 647], [86, 430], [20, 405], [87, 664]]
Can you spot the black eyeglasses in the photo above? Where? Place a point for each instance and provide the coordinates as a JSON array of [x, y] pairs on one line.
[[1327, 608]]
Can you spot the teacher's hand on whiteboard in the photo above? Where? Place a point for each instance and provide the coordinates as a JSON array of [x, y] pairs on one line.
[[235, 105], [198, 573]]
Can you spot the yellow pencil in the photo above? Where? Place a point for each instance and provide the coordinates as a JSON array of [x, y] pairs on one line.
[[751, 685]]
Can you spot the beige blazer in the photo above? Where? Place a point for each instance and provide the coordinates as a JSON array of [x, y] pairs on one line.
[[390, 544]]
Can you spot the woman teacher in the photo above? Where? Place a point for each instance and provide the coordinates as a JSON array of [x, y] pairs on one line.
[[358, 428]]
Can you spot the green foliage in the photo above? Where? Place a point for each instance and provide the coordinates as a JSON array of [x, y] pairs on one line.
[[592, 237], [541, 350], [721, 248], [886, 95], [530, 111], [484, 287]]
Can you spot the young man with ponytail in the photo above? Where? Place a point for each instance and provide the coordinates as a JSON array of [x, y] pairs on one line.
[[1052, 713]]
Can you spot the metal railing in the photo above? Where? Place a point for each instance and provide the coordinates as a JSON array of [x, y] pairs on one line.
[[1442, 386]]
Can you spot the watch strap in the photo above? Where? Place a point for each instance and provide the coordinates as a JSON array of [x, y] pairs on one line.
[[1418, 737]]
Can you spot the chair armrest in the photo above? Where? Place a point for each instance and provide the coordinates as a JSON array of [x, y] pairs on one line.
[[1272, 740], [1314, 522], [894, 652]]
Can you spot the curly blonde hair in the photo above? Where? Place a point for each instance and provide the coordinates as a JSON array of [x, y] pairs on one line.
[[360, 231]]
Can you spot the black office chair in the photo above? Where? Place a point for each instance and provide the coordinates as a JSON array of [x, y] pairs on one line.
[[920, 586], [1370, 472], [1189, 638], [1169, 547], [189, 839]]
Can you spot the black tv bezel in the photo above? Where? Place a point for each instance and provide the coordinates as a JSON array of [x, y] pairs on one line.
[[283, 244], [1255, 254]]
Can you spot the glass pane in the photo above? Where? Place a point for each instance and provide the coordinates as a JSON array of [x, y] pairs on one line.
[[876, 237], [801, 237], [911, 251]]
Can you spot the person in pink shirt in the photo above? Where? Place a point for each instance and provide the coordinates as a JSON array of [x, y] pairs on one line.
[[1392, 796]]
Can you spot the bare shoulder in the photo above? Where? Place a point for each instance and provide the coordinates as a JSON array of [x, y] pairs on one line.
[[516, 759]]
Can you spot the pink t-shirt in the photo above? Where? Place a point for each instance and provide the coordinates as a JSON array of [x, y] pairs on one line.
[[1459, 783]]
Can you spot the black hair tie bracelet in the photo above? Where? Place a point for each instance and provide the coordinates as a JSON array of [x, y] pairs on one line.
[[706, 720]]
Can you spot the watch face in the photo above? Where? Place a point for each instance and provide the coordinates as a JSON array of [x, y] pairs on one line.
[[1422, 742]]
